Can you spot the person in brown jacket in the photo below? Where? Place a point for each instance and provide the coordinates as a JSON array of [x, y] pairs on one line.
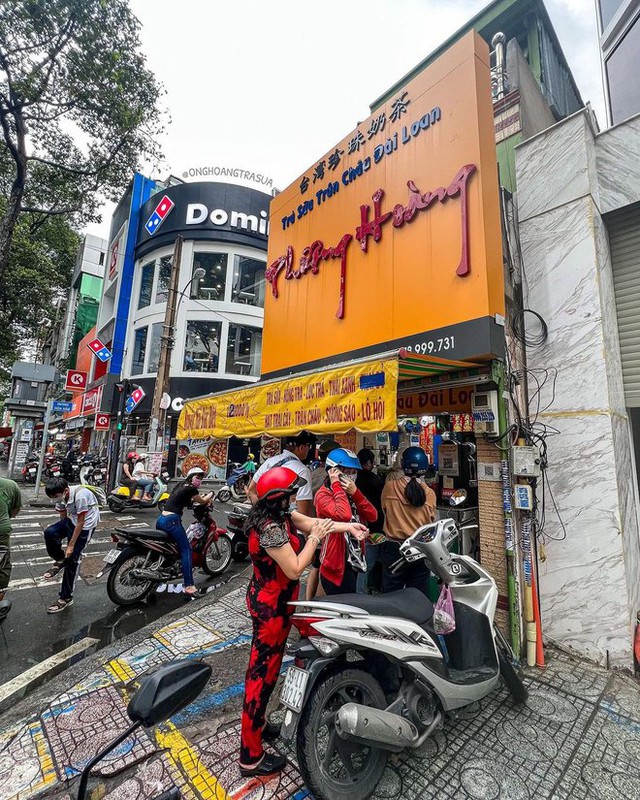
[[407, 503]]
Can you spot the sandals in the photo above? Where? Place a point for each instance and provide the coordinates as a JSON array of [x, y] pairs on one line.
[[53, 571], [59, 606], [270, 763], [192, 595]]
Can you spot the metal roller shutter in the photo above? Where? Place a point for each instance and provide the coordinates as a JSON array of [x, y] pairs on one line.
[[624, 238]]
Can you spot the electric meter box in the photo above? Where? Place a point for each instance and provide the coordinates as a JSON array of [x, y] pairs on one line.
[[525, 461], [484, 407]]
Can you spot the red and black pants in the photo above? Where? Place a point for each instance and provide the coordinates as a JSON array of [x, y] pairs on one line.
[[270, 631]]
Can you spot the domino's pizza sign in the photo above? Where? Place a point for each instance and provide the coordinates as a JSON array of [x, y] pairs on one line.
[[159, 214]]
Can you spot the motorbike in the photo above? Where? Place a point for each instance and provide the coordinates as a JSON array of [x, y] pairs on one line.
[[93, 470], [120, 498], [71, 467], [235, 522], [52, 467], [236, 486], [145, 557], [347, 716], [30, 470], [161, 694]]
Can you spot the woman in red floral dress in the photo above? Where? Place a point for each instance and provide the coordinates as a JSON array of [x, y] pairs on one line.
[[280, 556]]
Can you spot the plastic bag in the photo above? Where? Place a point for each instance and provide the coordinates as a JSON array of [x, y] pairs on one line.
[[444, 620], [195, 531]]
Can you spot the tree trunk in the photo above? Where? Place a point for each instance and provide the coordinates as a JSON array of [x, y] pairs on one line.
[[10, 218]]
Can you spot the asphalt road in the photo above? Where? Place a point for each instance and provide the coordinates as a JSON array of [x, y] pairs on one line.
[[31, 635]]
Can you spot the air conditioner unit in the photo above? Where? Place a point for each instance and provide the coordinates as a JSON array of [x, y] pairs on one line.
[[484, 407]]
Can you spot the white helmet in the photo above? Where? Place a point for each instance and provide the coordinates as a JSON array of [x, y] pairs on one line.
[[195, 471]]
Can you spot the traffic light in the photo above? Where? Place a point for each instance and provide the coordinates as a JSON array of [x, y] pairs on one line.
[[119, 426]]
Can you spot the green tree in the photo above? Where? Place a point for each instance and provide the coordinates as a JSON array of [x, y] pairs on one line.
[[78, 110]]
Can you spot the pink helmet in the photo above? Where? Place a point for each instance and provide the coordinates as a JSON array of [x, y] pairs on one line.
[[133, 455]]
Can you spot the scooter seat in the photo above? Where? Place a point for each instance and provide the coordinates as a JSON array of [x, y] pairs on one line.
[[146, 533], [406, 603]]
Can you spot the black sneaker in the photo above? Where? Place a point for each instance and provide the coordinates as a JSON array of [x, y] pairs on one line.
[[270, 763]]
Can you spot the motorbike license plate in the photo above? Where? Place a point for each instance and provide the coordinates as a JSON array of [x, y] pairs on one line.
[[293, 688], [32, 470], [111, 556], [56, 473]]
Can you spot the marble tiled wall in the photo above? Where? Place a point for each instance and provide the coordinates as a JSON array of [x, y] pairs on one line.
[[590, 580]]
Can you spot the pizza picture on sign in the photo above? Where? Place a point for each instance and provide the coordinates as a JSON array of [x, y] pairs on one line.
[[195, 460], [217, 453]]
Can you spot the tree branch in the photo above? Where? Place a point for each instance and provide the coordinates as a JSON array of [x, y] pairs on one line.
[[50, 212]]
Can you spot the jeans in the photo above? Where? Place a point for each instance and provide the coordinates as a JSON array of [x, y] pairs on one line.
[[145, 484], [172, 524], [372, 554], [53, 537], [415, 575]]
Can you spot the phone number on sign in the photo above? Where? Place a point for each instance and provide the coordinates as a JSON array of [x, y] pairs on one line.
[[433, 345]]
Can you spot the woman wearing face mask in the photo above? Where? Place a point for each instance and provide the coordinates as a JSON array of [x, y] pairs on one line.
[[170, 521], [279, 556], [342, 557]]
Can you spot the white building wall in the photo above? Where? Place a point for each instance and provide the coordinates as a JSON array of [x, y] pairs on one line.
[[567, 177]]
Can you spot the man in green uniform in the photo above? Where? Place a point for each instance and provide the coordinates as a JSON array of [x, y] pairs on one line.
[[10, 505]]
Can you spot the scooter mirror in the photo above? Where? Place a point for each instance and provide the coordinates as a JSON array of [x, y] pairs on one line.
[[167, 691], [458, 497]]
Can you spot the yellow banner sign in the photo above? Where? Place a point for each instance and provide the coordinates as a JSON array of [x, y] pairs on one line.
[[362, 396]]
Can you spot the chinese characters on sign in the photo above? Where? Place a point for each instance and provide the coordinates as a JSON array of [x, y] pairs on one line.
[[355, 144], [398, 107], [315, 253]]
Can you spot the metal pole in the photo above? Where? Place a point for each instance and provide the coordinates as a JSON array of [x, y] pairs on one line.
[[115, 452], [43, 448], [158, 414]]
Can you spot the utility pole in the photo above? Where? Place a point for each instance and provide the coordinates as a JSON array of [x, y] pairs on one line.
[[159, 414]]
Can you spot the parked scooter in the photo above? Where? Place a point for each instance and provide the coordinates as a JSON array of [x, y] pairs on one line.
[[236, 520], [236, 486], [163, 693], [93, 470], [52, 467], [30, 469], [347, 716], [120, 498], [145, 557]]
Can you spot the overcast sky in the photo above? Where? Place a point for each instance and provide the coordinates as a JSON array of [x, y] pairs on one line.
[[270, 86]]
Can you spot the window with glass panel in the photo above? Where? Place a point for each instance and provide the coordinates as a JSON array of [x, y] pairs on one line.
[[202, 346], [164, 279], [243, 350], [154, 347], [139, 350], [212, 285], [248, 281], [146, 284]]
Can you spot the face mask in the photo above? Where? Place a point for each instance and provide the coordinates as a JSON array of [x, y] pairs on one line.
[[196, 482]]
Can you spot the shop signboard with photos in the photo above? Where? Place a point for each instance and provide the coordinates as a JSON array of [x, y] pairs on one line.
[[207, 453]]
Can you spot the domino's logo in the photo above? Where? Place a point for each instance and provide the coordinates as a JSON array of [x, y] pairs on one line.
[[160, 213]]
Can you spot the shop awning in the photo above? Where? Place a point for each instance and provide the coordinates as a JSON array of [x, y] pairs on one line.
[[360, 394]]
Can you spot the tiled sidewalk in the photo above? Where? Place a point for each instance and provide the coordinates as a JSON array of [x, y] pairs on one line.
[[577, 737]]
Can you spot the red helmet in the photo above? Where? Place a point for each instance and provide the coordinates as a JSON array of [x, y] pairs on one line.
[[278, 483], [132, 455]]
